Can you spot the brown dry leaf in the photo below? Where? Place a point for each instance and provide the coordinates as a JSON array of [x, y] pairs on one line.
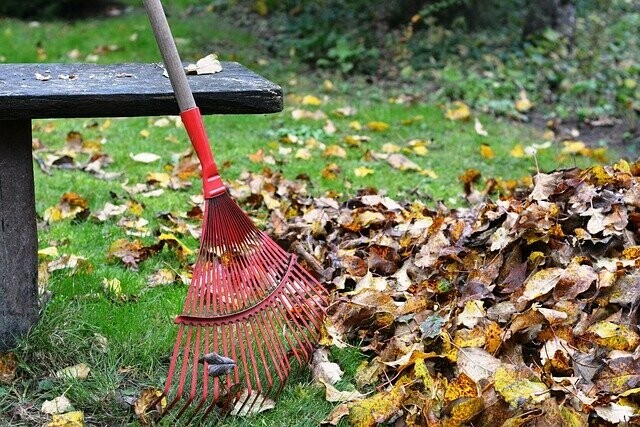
[[331, 171], [334, 395], [8, 368], [339, 412], [259, 403], [163, 276], [541, 283], [71, 205], [149, 400], [401, 162]]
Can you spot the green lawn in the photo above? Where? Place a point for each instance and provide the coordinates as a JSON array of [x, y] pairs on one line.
[[138, 323]]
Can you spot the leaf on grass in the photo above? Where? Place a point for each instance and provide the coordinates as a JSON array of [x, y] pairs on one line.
[[458, 111], [79, 371], [523, 104], [324, 370], [74, 263], [311, 100], [250, 403], [335, 151], [163, 276], [363, 171], [480, 130], [71, 205], [334, 395], [69, 419], [339, 412], [58, 405], [378, 126], [487, 152], [149, 400], [401, 162], [8, 368], [144, 157]]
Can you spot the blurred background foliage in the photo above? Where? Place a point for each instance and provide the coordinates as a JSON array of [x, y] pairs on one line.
[[575, 59]]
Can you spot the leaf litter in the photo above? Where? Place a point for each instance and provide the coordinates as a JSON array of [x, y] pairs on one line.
[[519, 307]]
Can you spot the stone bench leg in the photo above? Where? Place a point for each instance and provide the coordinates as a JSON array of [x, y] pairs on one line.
[[18, 234]]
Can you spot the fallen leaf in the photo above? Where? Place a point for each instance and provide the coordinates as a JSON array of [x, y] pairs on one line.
[[458, 111], [79, 371], [523, 104], [250, 403], [480, 130], [311, 100], [57, 405], [69, 419], [144, 157], [8, 368], [207, 65], [378, 126], [363, 171]]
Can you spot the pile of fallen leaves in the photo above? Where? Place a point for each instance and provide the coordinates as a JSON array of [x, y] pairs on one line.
[[521, 310]]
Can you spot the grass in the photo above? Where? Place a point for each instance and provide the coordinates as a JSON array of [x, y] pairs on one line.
[[139, 332]]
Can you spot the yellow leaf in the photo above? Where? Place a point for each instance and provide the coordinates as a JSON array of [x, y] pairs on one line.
[[311, 100], [331, 171], [70, 419], [335, 151], [614, 336], [463, 411], [378, 126], [428, 172], [548, 135], [328, 85], [486, 151], [573, 147], [523, 104], [378, 408], [145, 133], [363, 171], [79, 371], [303, 154], [517, 151], [516, 390], [390, 148], [355, 125], [458, 111], [170, 238], [420, 150], [51, 251], [112, 287]]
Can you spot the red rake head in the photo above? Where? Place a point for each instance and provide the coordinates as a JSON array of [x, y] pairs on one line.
[[251, 314]]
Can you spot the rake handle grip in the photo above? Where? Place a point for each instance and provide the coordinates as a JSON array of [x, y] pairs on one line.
[[189, 112]]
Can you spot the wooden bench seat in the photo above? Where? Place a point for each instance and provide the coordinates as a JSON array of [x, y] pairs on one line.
[[37, 91]]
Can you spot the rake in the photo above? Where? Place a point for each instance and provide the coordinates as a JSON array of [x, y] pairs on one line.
[[252, 313]]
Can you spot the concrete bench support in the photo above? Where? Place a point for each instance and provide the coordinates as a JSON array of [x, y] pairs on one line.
[[33, 91]]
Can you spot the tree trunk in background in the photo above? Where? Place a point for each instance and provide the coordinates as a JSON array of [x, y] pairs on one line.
[[560, 15]]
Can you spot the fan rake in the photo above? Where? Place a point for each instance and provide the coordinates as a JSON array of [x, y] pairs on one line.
[[252, 313]]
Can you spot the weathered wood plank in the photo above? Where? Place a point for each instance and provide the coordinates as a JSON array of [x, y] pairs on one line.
[[127, 90], [18, 234]]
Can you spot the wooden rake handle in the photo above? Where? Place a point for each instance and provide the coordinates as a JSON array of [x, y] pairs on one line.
[[211, 182]]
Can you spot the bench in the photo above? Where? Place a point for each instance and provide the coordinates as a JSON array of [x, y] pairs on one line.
[[38, 91]]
